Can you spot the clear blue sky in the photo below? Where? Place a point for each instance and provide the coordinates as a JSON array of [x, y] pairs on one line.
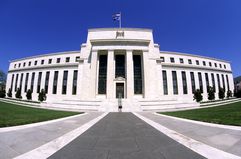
[[204, 27]]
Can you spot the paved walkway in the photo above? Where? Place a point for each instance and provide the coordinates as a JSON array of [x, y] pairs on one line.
[[220, 138], [124, 136], [14, 143]]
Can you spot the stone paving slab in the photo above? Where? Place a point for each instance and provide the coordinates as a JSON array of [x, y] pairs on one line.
[[124, 136], [14, 143], [220, 138]]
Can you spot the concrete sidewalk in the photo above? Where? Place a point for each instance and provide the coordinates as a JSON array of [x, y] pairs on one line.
[[224, 139], [124, 136], [17, 142]]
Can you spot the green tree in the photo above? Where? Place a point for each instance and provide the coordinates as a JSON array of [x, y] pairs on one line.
[[221, 93], [29, 94], [2, 93], [18, 94], [42, 95], [229, 94], [198, 95], [211, 93], [10, 93], [2, 80]]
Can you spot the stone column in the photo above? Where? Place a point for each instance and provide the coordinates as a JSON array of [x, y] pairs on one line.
[[146, 75], [110, 74], [129, 74], [93, 75]]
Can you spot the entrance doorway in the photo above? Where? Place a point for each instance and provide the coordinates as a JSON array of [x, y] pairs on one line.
[[119, 90]]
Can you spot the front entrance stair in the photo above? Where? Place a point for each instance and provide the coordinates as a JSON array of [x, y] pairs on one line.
[[111, 105], [74, 105], [166, 105]]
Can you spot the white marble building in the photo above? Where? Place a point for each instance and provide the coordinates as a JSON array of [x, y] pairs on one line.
[[115, 63]]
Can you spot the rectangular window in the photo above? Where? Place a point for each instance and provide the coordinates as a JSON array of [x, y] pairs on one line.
[[164, 77], [35, 63], [12, 82], [184, 82], [16, 83], [15, 65], [42, 62], [218, 78], [224, 87], [227, 82], [215, 64], [77, 58], [102, 74], [32, 81], [120, 66], [207, 81], [213, 81], [172, 60], [197, 62], [24, 64], [75, 82], [29, 63], [210, 64], [67, 59], [224, 66], [137, 74], [200, 81], [21, 82], [181, 60], [65, 81], [19, 65], [189, 61], [58, 60], [46, 86], [39, 81], [220, 65], [50, 61], [26, 83], [174, 82], [193, 82], [55, 82], [204, 63], [162, 59]]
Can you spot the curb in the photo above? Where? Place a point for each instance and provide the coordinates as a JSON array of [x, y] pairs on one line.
[[198, 147], [53, 146], [237, 128], [20, 127]]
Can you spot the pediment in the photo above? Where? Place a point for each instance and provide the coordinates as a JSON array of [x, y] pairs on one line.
[[120, 79]]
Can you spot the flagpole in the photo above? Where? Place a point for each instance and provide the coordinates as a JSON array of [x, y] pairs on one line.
[[120, 21]]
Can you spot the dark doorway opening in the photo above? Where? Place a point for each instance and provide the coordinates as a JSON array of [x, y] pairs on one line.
[[119, 90]]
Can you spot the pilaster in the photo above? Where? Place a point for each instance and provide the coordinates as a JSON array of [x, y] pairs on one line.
[[110, 74], [129, 74]]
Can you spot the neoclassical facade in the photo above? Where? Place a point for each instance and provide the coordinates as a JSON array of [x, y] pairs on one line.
[[119, 63]]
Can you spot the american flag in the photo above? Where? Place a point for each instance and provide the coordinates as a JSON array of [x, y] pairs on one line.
[[116, 16]]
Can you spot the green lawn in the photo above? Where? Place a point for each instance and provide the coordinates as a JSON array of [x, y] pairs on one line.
[[11, 114], [229, 114]]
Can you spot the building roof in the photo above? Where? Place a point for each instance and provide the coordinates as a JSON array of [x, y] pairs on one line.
[[117, 29], [193, 55], [49, 54]]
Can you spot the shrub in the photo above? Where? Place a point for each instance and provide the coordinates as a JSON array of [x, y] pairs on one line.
[[221, 93], [42, 95], [211, 93], [237, 93], [2, 93], [229, 94], [18, 94], [10, 93], [29, 94], [198, 95]]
